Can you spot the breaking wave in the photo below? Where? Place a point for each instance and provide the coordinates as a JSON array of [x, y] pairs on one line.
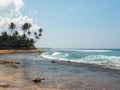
[[86, 56]]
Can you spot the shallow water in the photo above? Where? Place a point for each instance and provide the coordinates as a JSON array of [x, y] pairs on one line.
[[59, 75]]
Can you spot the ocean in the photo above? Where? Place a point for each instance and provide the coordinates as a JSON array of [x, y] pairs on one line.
[[108, 58]]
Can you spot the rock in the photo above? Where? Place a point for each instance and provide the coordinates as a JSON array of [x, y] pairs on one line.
[[52, 61], [14, 66], [38, 80], [8, 62], [69, 61], [4, 85], [17, 63]]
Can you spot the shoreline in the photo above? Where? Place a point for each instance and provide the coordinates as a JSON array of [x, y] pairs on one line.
[[86, 65], [20, 51], [60, 75]]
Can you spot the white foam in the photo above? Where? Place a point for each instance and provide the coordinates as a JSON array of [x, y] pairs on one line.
[[56, 53], [48, 57], [93, 50]]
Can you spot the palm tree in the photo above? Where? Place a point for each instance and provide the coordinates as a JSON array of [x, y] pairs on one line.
[[40, 34], [26, 27], [4, 34], [40, 30], [29, 33], [16, 33], [12, 26], [36, 35]]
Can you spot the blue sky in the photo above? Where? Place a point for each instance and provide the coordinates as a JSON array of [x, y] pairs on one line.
[[76, 23]]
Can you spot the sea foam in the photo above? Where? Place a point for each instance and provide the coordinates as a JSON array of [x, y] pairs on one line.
[[100, 57]]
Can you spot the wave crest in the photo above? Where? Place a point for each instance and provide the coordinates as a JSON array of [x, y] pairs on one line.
[[56, 53], [93, 58], [93, 50]]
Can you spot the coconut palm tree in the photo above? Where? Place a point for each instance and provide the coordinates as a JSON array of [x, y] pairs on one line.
[[12, 26], [40, 30], [16, 33], [36, 36], [40, 34], [29, 33], [26, 27]]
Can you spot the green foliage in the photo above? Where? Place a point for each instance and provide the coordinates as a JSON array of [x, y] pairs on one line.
[[12, 26], [17, 41]]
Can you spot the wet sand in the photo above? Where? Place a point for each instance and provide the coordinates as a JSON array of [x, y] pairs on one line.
[[59, 75], [19, 51]]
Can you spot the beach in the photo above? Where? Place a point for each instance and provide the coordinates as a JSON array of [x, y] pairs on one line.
[[18, 72], [19, 51]]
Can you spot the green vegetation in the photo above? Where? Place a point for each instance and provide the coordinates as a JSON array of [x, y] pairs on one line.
[[14, 40]]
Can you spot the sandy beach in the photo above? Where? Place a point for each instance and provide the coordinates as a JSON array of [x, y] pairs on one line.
[[17, 72], [19, 51]]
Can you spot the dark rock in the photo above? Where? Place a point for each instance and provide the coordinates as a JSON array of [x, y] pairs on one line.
[[52, 61], [8, 62], [17, 63], [38, 80], [4, 85], [14, 66], [69, 61]]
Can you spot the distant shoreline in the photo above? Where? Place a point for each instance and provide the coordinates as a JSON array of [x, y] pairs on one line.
[[20, 51]]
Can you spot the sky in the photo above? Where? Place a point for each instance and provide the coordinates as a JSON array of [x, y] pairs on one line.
[[68, 23]]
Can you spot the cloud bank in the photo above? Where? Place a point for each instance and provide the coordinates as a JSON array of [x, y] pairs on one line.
[[10, 12]]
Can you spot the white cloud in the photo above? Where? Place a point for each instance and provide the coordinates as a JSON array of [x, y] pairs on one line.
[[10, 8], [10, 12]]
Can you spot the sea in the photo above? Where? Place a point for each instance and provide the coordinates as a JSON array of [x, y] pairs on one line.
[[107, 58]]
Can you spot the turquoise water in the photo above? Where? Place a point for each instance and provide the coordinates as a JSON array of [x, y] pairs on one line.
[[106, 57]]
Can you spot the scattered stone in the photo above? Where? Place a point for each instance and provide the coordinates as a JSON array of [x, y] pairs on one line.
[[10, 63], [38, 80], [52, 61], [14, 66], [4, 85], [69, 61], [17, 63]]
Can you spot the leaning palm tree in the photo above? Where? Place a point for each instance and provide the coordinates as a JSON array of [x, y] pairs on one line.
[[12, 26]]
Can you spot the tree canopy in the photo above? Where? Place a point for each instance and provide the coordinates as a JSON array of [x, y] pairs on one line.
[[15, 40]]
